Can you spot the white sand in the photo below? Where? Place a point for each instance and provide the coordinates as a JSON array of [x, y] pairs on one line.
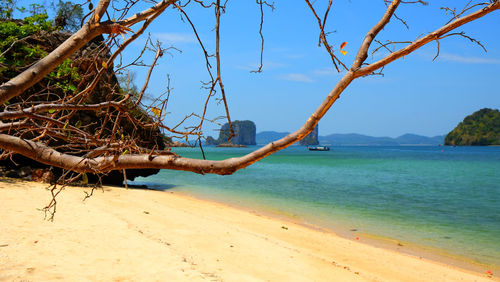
[[142, 235]]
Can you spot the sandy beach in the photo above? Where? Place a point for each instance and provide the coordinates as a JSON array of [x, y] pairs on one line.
[[144, 235]]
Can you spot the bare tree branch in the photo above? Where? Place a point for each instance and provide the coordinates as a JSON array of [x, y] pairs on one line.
[[437, 34], [261, 3], [218, 9], [106, 147], [370, 36], [322, 36]]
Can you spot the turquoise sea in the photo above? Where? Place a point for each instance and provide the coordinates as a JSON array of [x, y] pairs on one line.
[[439, 198]]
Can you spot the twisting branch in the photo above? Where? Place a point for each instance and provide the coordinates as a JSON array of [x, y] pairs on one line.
[[438, 46], [48, 107], [105, 147], [205, 53], [401, 21], [322, 35], [159, 53], [13, 44], [326, 15], [437, 34], [261, 3], [438, 50], [384, 45], [464, 10], [218, 9], [35, 73], [370, 36], [212, 81], [424, 3], [89, 31], [465, 36]]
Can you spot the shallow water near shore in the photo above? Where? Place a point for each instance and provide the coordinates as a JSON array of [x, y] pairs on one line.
[[443, 198]]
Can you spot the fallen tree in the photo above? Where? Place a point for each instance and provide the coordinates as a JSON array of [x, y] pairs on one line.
[[113, 152]]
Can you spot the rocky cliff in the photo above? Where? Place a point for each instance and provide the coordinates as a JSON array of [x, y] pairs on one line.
[[311, 138], [244, 134]]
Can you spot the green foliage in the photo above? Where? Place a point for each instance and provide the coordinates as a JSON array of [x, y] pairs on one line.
[[65, 75], [11, 31], [481, 128], [38, 22], [21, 53]]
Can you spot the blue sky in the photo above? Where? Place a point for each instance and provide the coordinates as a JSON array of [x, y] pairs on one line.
[[416, 95]]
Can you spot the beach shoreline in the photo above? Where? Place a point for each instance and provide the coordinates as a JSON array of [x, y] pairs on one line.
[[400, 246], [140, 234]]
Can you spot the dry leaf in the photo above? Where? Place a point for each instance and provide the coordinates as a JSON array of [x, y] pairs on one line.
[[156, 112]]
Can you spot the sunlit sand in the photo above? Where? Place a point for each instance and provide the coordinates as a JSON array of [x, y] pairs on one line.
[[144, 235]]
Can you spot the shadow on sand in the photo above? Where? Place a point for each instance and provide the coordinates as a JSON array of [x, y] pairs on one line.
[[152, 186]]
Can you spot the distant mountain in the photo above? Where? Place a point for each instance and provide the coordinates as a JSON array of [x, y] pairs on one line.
[[354, 139], [358, 139], [363, 140], [413, 139], [479, 129]]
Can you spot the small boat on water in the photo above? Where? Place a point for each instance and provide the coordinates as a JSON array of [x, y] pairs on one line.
[[319, 148]]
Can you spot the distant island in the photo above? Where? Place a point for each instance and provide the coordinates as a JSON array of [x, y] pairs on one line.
[[359, 139], [482, 128], [311, 138], [244, 134]]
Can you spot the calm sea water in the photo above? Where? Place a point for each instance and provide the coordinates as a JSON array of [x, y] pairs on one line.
[[439, 197]]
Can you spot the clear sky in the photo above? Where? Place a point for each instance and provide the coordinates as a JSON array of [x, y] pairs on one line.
[[416, 95]]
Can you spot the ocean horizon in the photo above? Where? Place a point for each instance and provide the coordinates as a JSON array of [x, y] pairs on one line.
[[436, 197]]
